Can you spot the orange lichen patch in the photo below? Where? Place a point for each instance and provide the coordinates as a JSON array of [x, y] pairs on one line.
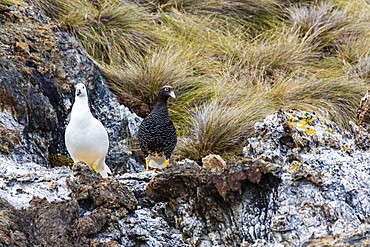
[[302, 121], [295, 166], [310, 131]]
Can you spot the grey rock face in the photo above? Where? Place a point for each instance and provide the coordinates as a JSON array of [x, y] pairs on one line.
[[148, 225], [325, 178], [57, 207], [223, 207], [40, 65], [20, 182]]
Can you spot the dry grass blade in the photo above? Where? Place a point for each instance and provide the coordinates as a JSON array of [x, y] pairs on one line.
[[13, 2], [354, 53]]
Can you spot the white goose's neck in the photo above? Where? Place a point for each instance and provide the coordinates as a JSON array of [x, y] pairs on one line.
[[80, 108]]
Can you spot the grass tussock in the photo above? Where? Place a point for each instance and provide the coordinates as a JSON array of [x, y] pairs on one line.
[[231, 62], [110, 30], [219, 126], [322, 24], [140, 78], [326, 97]]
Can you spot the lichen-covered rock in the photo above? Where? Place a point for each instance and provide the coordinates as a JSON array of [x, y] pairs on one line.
[[10, 232], [58, 207], [325, 177], [148, 225], [303, 182], [95, 212], [39, 64], [218, 208], [363, 112], [49, 224], [213, 161], [93, 205], [357, 237]]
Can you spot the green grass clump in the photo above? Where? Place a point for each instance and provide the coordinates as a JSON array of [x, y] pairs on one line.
[[140, 78], [215, 127], [327, 97], [231, 62], [110, 30]]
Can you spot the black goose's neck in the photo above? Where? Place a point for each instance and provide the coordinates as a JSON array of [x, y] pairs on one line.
[[162, 100], [161, 106]]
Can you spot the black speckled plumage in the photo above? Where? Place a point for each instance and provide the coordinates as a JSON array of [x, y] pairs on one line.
[[157, 134]]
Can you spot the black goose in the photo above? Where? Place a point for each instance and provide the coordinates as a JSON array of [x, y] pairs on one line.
[[157, 134]]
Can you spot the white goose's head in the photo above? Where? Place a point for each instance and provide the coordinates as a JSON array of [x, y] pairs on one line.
[[81, 90]]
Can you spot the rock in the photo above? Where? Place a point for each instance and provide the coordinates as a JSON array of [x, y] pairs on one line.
[[357, 237], [20, 182], [10, 232], [107, 192], [361, 131], [49, 224], [213, 161], [221, 207], [57, 223], [100, 212], [148, 225], [363, 112], [303, 181], [58, 207], [324, 177], [39, 66]]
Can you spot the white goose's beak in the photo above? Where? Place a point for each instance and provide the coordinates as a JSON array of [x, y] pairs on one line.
[[172, 94]]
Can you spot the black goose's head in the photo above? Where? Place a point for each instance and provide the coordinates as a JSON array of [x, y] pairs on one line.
[[166, 92]]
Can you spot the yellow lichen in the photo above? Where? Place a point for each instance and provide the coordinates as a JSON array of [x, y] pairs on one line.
[[295, 166], [310, 131]]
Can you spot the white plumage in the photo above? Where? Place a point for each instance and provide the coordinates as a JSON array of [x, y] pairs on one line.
[[86, 138]]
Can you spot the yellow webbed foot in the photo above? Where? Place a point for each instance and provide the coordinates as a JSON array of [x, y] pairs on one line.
[[147, 165], [153, 170], [94, 167], [166, 162]]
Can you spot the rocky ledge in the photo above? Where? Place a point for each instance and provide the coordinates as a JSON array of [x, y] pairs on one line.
[[95, 204], [303, 182]]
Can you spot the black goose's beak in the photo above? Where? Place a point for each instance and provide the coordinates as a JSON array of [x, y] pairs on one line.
[[78, 92], [172, 94]]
